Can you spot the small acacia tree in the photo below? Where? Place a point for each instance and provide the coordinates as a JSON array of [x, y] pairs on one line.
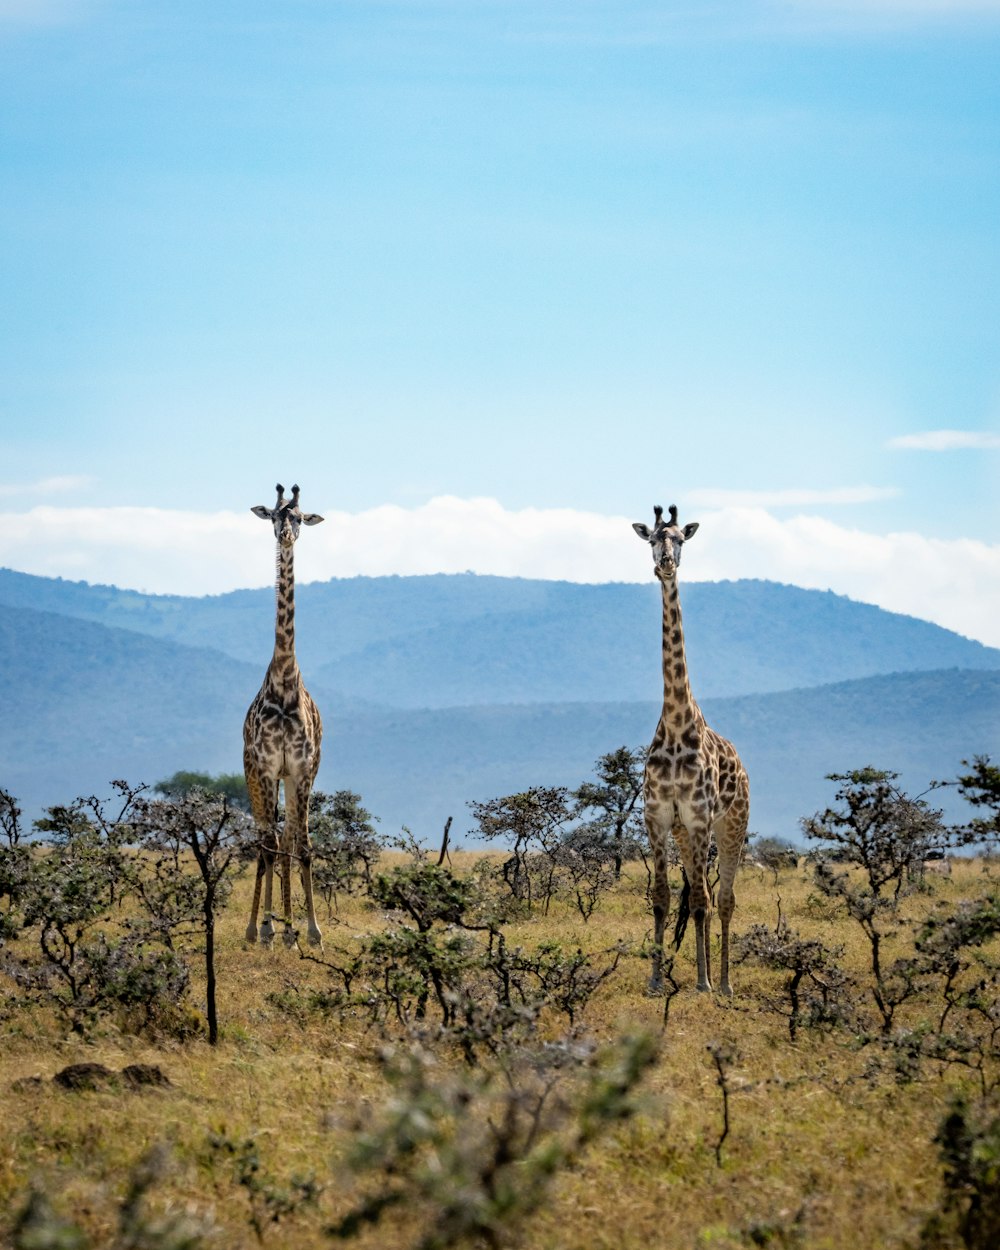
[[876, 826], [611, 806], [14, 862], [883, 832], [208, 831], [96, 831], [533, 823], [981, 788], [817, 988], [89, 960], [774, 854], [346, 845], [232, 786]]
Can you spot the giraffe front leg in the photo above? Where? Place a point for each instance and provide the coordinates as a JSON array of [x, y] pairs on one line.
[[251, 934], [263, 797], [703, 931], [659, 918], [305, 860], [694, 899], [724, 984], [299, 812], [289, 935], [730, 850], [696, 866], [267, 924]]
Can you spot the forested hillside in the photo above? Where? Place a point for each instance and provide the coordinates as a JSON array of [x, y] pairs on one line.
[[83, 704], [445, 640]]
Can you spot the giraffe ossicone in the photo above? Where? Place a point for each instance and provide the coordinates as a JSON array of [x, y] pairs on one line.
[[282, 733], [695, 786]]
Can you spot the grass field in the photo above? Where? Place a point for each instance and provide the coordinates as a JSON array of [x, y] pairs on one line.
[[828, 1144]]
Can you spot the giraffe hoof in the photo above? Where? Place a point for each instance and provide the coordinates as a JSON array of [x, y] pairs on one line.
[[251, 934], [316, 938], [290, 937]]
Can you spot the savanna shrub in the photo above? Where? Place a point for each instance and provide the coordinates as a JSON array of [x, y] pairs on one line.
[[969, 1214]]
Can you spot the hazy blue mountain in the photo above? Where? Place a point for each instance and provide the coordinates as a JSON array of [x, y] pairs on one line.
[[82, 704], [921, 725], [240, 624], [602, 643], [429, 763], [442, 640]]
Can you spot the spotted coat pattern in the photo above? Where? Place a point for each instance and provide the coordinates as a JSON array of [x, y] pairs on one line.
[[695, 788], [282, 734]]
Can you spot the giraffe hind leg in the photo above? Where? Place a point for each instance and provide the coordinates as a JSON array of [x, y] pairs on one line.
[[683, 912], [305, 862], [695, 855], [729, 838], [661, 901], [703, 932], [695, 895], [269, 855]]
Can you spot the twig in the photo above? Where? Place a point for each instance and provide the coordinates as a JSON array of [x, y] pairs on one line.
[[722, 1057], [667, 970], [444, 844]]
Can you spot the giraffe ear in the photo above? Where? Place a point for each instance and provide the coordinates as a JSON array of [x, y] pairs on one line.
[[265, 514], [311, 518], [690, 530], [641, 530]]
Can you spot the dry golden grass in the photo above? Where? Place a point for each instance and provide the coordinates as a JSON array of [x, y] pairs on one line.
[[821, 1151]]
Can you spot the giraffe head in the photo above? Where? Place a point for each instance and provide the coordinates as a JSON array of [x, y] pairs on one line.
[[286, 516], [666, 538]]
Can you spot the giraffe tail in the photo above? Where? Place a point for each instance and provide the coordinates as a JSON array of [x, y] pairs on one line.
[[683, 912]]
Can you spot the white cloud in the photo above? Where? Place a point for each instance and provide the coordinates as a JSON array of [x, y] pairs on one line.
[[946, 440], [955, 583]]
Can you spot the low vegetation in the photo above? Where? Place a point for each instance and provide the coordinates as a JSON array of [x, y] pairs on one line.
[[472, 1060]]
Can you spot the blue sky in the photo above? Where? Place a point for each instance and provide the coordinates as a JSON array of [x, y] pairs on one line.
[[562, 257]]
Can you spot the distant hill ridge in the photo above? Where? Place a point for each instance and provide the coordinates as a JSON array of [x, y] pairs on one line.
[[539, 679], [451, 639]]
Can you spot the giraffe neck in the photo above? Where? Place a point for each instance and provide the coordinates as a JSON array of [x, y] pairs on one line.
[[679, 707], [284, 666]]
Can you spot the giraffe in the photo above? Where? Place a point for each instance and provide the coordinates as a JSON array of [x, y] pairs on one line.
[[695, 784], [281, 741]]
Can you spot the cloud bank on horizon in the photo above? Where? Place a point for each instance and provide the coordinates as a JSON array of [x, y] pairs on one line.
[[952, 582], [509, 272]]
